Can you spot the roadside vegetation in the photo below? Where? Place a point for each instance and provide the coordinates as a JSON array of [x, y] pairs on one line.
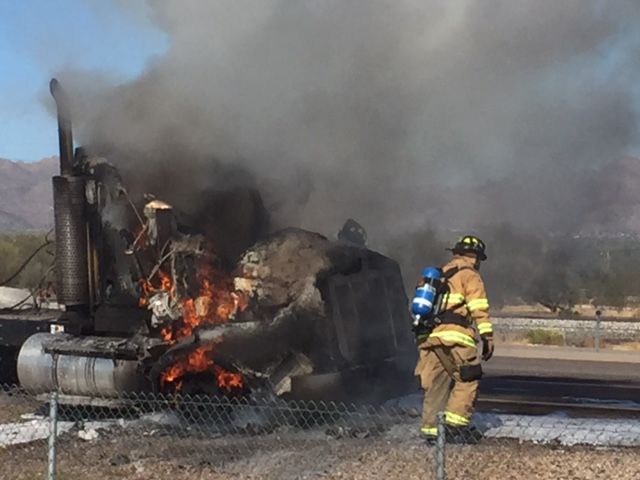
[[556, 271], [540, 336], [15, 249]]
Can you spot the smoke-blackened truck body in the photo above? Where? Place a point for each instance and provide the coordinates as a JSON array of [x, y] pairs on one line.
[[151, 305]]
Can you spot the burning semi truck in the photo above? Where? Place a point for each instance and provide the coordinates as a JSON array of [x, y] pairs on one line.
[[151, 304]]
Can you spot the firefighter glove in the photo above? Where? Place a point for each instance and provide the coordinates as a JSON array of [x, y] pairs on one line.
[[487, 347]]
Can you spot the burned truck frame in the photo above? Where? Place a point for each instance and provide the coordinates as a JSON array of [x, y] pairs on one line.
[[297, 315]]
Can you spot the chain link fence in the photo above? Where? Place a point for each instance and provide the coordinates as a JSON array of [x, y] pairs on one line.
[[146, 436]]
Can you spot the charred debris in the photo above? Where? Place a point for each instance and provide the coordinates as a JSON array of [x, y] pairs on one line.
[[150, 304]]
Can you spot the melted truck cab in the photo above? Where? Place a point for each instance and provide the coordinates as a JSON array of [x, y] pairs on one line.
[[149, 305]]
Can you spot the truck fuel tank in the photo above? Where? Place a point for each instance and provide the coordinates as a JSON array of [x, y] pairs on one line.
[[87, 366]]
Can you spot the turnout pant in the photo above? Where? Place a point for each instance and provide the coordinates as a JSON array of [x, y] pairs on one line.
[[446, 391]]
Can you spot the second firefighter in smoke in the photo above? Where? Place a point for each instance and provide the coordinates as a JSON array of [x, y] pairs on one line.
[[451, 309]]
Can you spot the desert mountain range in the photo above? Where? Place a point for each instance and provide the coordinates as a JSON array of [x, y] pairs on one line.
[[611, 194]]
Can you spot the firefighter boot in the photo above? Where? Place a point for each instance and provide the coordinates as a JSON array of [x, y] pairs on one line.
[[429, 435]]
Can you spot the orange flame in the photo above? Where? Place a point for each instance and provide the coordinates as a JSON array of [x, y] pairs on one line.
[[148, 289], [228, 381], [215, 304], [199, 361]]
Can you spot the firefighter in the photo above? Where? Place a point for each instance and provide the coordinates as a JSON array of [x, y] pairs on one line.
[[449, 365]]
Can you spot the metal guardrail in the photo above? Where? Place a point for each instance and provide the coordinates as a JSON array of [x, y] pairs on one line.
[[158, 436]]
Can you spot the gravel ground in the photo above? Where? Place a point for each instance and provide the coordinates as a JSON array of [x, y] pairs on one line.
[[625, 330], [138, 454], [160, 445]]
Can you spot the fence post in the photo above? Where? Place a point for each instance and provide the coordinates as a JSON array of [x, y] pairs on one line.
[[440, 446], [597, 335], [53, 433]]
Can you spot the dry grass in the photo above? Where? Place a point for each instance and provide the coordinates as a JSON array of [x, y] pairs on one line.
[[626, 346], [12, 407], [294, 454], [526, 461], [550, 337], [585, 311], [331, 460]]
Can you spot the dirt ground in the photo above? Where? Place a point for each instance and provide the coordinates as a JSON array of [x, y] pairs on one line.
[[316, 454], [13, 404]]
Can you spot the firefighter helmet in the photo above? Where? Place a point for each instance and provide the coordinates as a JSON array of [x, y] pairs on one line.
[[470, 244]]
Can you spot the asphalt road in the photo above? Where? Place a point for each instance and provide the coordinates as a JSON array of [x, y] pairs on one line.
[[575, 369], [588, 379]]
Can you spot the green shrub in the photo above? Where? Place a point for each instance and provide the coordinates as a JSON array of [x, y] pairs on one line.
[[15, 248], [540, 336]]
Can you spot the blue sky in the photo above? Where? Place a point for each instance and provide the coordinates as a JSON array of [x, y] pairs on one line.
[[40, 37]]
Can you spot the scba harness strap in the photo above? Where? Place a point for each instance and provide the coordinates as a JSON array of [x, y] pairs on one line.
[[447, 316]]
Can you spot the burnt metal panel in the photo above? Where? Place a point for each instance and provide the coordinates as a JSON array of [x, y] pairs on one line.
[[104, 347], [369, 314], [123, 320]]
